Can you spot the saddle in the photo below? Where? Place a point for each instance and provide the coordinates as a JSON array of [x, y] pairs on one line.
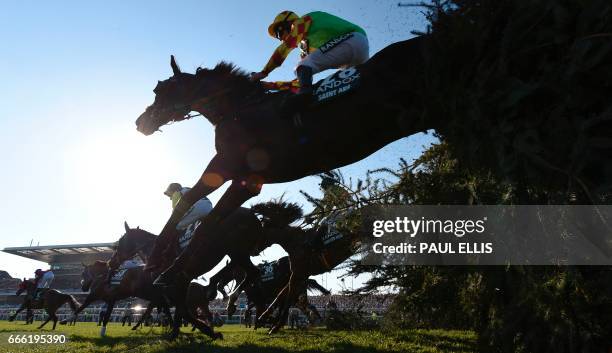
[[335, 85]]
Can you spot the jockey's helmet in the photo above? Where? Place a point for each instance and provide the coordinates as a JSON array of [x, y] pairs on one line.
[[172, 188], [38, 272], [282, 21]]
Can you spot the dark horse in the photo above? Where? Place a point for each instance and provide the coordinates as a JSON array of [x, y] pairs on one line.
[[134, 283], [50, 300], [311, 251], [257, 145], [274, 276], [239, 236]]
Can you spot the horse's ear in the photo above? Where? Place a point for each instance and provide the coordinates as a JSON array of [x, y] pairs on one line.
[[138, 227], [127, 228], [175, 69]]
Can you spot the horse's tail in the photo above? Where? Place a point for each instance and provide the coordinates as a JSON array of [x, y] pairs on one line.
[[277, 213], [311, 284]]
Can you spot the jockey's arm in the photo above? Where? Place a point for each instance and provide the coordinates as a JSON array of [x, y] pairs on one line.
[[277, 58]]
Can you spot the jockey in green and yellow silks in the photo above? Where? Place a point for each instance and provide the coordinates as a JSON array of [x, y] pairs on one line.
[[325, 41]]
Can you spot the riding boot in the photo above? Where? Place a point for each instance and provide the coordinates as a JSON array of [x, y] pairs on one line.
[[304, 95]]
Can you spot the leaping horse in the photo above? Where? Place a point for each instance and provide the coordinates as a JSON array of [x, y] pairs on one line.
[[256, 144], [134, 283], [311, 251], [50, 300], [274, 276], [240, 237]]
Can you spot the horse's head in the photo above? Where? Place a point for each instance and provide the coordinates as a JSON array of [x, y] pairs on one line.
[[130, 243], [92, 272], [173, 98], [209, 92], [22, 286]]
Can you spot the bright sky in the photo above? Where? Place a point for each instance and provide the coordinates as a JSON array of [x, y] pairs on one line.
[[75, 75]]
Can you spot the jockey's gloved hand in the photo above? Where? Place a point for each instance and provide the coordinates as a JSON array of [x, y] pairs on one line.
[[258, 76]]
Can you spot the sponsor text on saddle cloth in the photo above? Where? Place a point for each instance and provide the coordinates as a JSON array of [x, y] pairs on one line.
[[185, 238], [118, 276], [332, 234], [267, 271], [338, 83]]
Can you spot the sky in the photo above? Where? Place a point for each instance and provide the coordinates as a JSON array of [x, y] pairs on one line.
[[75, 75]]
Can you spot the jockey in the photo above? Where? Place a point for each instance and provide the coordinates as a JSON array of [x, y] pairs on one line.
[[43, 280], [199, 209], [325, 42]]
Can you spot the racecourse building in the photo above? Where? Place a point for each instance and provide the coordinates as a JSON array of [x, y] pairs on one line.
[[66, 261]]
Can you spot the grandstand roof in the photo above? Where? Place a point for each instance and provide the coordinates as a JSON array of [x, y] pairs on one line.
[[62, 253]]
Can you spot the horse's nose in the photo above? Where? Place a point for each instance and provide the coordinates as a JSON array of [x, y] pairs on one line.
[[142, 121]]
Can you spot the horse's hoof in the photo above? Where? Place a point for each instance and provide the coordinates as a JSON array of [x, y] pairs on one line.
[[218, 336], [134, 328]]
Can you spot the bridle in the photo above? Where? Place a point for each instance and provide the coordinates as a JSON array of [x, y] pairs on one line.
[[198, 105]]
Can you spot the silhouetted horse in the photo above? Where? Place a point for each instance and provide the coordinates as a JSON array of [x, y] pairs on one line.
[[49, 299], [274, 276], [239, 237], [311, 251], [256, 145], [134, 283]]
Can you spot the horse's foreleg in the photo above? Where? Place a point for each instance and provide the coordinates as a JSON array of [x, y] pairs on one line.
[[20, 309], [44, 323], [259, 309], [88, 300], [279, 298], [54, 320], [297, 285], [107, 315], [176, 324], [29, 317], [144, 315]]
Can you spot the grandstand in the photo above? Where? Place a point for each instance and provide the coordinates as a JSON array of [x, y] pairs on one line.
[[65, 261]]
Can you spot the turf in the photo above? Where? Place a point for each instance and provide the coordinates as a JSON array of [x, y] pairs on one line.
[[84, 338]]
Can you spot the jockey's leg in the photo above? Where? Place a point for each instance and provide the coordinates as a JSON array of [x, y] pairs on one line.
[[199, 210], [187, 264], [304, 74]]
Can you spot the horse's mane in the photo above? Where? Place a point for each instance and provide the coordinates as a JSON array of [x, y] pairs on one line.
[[278, 213], [237, 76]]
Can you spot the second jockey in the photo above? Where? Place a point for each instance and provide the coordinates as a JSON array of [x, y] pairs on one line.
[[43, 280], [199, 209]]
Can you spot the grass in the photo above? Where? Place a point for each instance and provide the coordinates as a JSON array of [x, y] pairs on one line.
[[84, 338]]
